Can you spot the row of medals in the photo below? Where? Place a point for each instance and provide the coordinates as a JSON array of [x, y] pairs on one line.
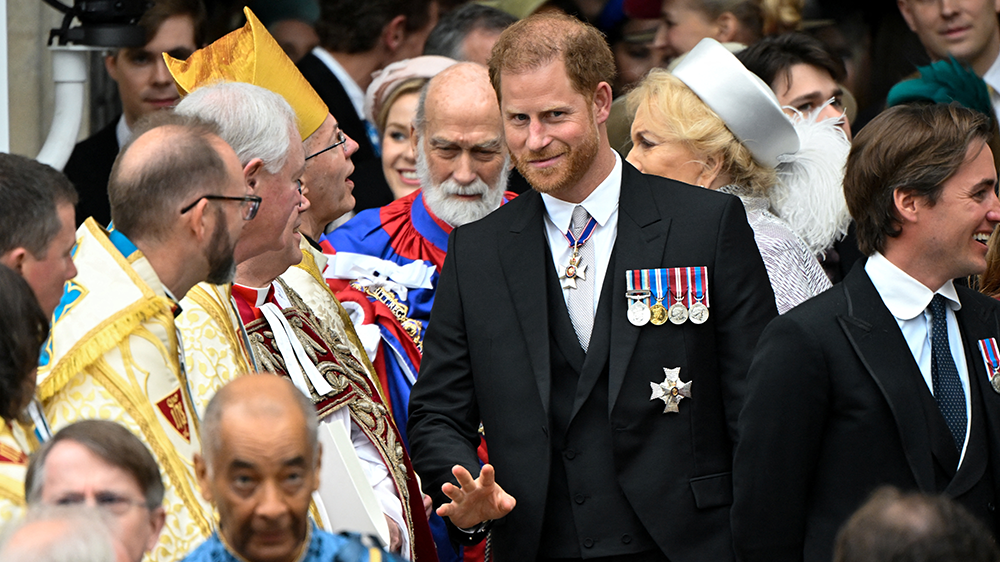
[[640, 313]]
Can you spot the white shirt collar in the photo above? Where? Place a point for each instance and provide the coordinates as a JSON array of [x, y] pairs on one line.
[[122, 132], [905, 297], [354, 92], [601, 203], [992, 76]]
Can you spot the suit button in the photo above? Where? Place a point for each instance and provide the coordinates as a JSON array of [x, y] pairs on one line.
[[626, 539], [570, 454], [588, 543], [991, 507], [579, 499]]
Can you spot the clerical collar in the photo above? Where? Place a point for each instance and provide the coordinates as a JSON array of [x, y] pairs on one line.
[[256, 295], [601, 203]]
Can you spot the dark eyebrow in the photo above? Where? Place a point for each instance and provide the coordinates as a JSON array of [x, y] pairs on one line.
[[299, 461], [240, 464], [494, 144]]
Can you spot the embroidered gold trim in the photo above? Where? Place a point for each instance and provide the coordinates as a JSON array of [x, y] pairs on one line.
[[398, 309]]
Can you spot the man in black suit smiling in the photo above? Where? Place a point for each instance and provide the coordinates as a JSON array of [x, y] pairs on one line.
[[608, 426], [888, 377]]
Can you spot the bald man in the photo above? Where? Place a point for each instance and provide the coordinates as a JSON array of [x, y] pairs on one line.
[[463, 165], [178, 202], [259, 467]]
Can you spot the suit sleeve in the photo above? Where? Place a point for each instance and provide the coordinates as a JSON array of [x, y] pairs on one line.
[[741, 283], [444, 415], [781, 428]]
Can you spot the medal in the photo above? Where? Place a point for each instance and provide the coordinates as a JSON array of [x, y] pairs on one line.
[[672, 390], [658, 313], [573, 271], [699, 311], [638, 311], [678, 312], [639, 314], [991, 357]]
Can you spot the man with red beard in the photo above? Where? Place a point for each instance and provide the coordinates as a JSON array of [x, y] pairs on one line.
[[550, 330], [387, 260]]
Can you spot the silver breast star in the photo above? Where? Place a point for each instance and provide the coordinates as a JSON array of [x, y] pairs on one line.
[[671, 390]]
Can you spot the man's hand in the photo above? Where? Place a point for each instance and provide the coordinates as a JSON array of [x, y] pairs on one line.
[[474, 501], [395, 539]]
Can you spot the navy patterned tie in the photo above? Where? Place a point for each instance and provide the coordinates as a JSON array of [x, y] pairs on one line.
[[947, 386]]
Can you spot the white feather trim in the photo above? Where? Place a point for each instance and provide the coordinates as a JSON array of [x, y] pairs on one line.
[[809, 195]]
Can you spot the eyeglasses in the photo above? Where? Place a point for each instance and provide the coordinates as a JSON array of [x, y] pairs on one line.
[[112, 503], [341, 139], [249, 203]]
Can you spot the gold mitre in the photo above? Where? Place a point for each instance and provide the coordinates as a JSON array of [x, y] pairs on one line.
[[251, 55]]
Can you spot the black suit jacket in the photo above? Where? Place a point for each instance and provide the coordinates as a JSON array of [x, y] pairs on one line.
[[89, 168], [837, 406], [487, 357], [371, 189]]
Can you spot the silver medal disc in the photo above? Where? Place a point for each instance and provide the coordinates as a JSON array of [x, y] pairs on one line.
[[698, 313], [638, 313], [678, 313], [996, 381]]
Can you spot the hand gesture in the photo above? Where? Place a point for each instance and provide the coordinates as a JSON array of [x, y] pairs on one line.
[[474, 500]]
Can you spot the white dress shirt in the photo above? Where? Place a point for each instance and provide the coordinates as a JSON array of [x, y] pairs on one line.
[[123, 133], [602, 204], [907, 299], [992, 79]]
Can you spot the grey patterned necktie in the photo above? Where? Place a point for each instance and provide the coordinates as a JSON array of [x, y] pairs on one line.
[[581, 299], [947, 385]]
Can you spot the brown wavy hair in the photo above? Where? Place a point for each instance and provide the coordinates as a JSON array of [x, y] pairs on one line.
[[540, 39]]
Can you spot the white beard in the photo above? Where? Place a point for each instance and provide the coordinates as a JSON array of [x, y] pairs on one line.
[[809, 195], [441, 200]]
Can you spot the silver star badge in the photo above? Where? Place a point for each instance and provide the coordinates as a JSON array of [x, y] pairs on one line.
[[671, 390]]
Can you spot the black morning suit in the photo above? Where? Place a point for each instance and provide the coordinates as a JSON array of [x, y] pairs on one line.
[[837, 406], [500, 348], [89, 167]]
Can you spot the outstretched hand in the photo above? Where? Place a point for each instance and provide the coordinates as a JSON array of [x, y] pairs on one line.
[[474, 500]]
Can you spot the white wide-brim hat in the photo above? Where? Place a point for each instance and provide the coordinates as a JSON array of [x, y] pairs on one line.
[[743, 101]]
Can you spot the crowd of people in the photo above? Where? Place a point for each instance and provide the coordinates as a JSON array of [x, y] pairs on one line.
[[406, 280]]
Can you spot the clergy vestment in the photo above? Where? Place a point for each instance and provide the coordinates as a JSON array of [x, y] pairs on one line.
[[114, 353]]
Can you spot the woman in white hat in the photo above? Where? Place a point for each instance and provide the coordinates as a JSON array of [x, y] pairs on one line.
[[714, 124]]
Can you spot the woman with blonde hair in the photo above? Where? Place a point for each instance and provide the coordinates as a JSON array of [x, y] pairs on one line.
[[714, 124], [391, 104]]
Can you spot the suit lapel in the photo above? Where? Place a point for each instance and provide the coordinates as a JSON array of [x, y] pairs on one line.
[[872, 331], [523, 253], [976, 323], [642, 237]]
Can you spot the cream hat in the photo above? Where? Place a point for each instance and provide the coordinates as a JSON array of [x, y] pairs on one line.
[[743, 101]]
